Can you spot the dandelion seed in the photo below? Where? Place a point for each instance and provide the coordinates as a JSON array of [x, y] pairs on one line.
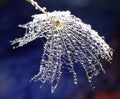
[[69, 41]]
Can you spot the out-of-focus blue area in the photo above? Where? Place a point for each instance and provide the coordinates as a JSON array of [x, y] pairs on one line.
[[19, 65]]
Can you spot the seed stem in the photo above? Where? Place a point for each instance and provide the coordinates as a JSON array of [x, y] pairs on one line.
[[35, 4]]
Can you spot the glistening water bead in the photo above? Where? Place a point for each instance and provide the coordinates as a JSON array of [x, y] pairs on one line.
[[69, 41]]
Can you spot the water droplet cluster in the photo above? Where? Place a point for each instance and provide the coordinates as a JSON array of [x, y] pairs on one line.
[[69, 41]]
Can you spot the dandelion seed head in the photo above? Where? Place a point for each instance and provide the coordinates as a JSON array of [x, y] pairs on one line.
[[69, 41]]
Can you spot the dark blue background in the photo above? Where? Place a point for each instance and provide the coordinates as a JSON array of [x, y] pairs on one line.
[[19, 65]]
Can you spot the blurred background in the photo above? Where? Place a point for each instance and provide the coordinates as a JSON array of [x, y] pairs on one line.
[[19, 65]]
